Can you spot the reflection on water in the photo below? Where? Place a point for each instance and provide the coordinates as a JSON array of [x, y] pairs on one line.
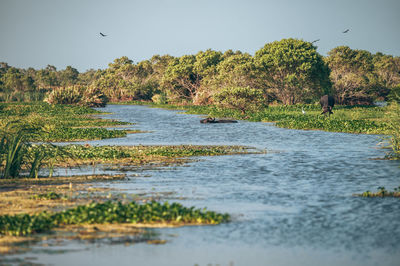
[[292, 207]]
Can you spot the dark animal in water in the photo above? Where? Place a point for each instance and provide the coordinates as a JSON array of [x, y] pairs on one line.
[[212, 120], [327, 102]]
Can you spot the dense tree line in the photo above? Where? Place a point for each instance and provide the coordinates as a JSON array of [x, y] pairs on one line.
[[289, 71]]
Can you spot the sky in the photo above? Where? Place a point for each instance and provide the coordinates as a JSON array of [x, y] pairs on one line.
[[37, 33]]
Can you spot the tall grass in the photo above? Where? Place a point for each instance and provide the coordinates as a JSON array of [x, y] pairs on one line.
[[13, 148], [17, 152], [394, 141]]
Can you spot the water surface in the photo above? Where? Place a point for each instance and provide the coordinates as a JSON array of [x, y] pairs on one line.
[[290, 206]]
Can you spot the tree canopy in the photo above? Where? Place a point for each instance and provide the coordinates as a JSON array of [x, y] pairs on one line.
[[288, 71]]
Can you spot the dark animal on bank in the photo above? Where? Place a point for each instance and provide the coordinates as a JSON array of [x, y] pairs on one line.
[[327, 102], [212, 120]]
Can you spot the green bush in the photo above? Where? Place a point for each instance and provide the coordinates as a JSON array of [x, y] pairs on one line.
[[78, 95], [159, 98], [394, 94], [65, 95], [240, 98], [93, 97]]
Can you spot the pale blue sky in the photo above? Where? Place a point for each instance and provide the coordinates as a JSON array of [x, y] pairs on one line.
[[35, 33]]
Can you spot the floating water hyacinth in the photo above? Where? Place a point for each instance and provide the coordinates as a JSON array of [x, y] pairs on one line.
[[110, 212]]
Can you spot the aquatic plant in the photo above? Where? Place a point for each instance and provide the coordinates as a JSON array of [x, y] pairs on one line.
[[86, 152], [51, 195], [61, 122], [110, 212], [14, 143], [382, 192]]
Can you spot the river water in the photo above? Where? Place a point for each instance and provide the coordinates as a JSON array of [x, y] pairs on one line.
[[292, 205]]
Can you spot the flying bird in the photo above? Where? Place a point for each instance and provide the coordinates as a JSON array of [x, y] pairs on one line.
[[302, 110], [317, 40], [103, 35], [346, 31]]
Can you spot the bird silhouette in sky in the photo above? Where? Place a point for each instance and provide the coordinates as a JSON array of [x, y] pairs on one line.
[[346, 31], [315, 41], [103, 35]]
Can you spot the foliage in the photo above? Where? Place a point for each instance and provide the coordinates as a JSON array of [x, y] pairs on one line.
[[65, 95], [394, 123], [288, 71], [240, 98], [109, 212], [382, 192], [61, 122], [13, 148], [394, 94], [294, 71], [77, 95], [180, 79], [352, 75], [93, 97], [47, 196], [138, 152], [159, 98], [387, 70]]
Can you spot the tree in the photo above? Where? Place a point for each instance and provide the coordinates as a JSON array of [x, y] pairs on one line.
[[294, 71], [116, 80], [13, 80], [387, 70], [239, 70], [352, 75], [180, 79], [46, 78], [240, 98], [184, 76], [69, 76]]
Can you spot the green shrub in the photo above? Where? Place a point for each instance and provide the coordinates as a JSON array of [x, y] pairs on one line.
[[394, 95], [78, 95], [65, 95], [93, 97], [159, 98], [240, 98]]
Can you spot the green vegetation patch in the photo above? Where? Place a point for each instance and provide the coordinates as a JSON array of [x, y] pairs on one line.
[[382, 192], [135, 152], [61, 122], [51, 195], [109, 212]]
